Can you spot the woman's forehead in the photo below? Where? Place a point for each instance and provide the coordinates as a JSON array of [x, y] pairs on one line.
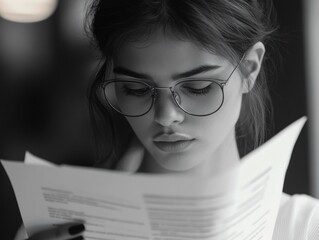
[[164, 48], [165, 59]]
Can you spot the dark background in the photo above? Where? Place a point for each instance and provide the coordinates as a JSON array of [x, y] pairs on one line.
[[44, 71]]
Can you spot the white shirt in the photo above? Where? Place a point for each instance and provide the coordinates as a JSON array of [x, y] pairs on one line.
[[298, 218]]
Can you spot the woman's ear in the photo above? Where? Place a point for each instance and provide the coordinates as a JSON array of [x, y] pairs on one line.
[[252, 64]]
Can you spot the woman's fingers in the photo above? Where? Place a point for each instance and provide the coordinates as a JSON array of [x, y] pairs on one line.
[[132, 158], [62, 232]]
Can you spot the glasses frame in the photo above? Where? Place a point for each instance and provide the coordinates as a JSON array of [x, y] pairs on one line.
[[154, 91]]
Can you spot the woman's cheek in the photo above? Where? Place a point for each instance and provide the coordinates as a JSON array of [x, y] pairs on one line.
[[140, 126]]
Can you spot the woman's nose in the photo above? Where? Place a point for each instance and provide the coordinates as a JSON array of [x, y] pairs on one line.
[[167, 113]]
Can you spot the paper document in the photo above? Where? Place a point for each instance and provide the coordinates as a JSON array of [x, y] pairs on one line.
[[240, 204], [31, 159]]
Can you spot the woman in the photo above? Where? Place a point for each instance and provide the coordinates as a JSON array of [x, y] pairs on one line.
[[183, 83]]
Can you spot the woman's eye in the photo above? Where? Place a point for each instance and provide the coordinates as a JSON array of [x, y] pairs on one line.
[[198, 90], [135, 91]]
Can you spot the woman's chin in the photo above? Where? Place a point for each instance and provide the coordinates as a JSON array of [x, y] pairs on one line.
[[178, 164]]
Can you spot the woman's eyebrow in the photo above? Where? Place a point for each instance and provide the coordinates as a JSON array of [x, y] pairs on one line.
[[130, 73], [189, 73], [197, 70]]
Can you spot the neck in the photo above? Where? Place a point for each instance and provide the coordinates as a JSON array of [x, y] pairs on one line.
[[225, 157]]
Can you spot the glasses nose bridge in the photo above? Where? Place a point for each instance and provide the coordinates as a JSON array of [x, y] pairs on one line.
[[162, 88], [155, 89]]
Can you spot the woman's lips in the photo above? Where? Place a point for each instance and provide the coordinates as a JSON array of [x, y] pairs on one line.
[[171, 137], [172, 147], [172, 142], [177, 146]]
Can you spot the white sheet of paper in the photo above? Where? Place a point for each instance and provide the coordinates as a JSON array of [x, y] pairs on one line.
[[240, 204], [29, 158]]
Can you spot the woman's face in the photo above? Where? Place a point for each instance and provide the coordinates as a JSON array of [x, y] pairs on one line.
[[175, 140]]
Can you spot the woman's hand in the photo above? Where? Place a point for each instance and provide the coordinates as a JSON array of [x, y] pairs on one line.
[[133, 157], [61, 232], [130, 162]]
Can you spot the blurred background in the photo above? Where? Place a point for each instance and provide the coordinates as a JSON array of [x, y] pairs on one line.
[[45, 67]]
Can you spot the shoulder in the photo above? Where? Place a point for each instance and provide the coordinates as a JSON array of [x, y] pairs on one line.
[[298, 218]]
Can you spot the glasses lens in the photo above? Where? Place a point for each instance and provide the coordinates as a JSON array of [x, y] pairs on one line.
[[199, 97], [128, 97]]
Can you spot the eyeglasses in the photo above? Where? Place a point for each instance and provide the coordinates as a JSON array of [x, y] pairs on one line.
[[195, 97]]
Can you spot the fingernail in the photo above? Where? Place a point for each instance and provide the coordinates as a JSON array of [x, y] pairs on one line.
[[76, 229], [76, 238]]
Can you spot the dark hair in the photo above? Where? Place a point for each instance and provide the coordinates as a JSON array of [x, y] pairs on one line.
[[226, 27]]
